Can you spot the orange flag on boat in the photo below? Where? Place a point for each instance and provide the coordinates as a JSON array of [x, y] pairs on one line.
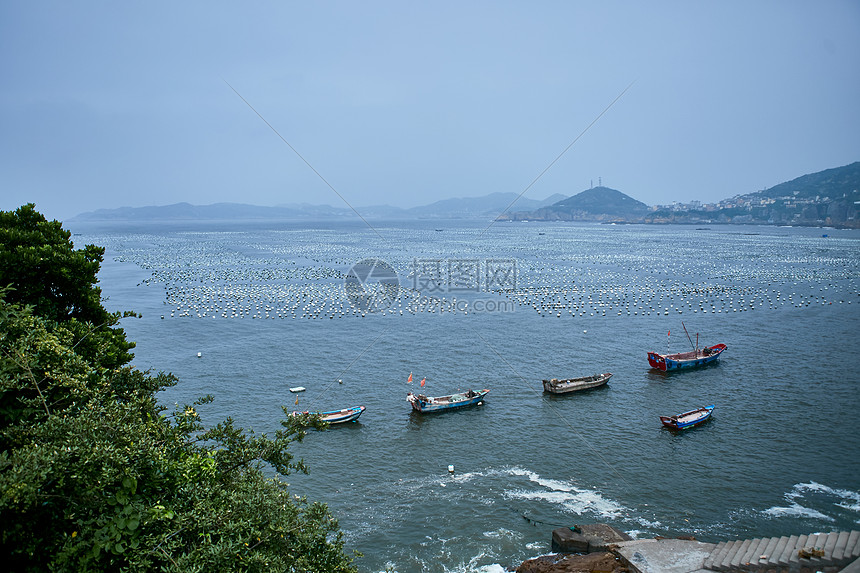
[[408, 380], [422, 381]]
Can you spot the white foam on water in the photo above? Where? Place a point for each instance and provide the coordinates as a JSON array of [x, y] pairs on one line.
[[494, 568], [502, 533], [517, 471], [473, 567], [845, 499], [796, 510], [466, 477], [848, 499], [849, 506], [648, 523], [565, 494]]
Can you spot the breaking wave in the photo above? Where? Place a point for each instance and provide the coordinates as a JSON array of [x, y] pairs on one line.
[[813, 500], [565, 494]]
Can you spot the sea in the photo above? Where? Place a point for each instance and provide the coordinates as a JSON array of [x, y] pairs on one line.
[[353, 311]]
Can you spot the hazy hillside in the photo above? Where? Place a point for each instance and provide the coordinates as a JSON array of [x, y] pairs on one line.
[[828, 197], [186, 211], [488, 206], [595, 204], [833, 183]]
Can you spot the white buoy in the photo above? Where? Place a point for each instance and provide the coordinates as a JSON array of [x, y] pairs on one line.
[[451, 468], [199, 355]]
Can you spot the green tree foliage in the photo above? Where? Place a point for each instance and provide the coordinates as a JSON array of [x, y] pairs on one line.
[[96, 476], [40, 263]]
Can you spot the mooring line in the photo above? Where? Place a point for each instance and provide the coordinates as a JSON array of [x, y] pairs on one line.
[[547, 168]]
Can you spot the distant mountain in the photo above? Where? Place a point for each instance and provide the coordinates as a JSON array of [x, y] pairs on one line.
[[595, 204], [826, 198], [310, 210], [488, 206], [834, 183], [186, 211], [829, 197], [491, 205], [307, 210]]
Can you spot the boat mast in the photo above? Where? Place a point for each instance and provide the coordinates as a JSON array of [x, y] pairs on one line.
[[696, 348]]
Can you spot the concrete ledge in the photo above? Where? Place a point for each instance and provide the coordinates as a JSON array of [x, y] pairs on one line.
[[664, 555], [853, 567]]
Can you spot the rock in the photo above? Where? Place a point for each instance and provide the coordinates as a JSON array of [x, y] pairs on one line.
[[604, 562], [600, 536], [566, 540], [586, 538]]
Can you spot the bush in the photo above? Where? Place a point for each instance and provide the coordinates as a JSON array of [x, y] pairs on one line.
[[96, 476]]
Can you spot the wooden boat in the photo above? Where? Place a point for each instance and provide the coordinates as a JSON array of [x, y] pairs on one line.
[[687, 419], [691, 359], [423, 404], [556, 386], [335, 416]]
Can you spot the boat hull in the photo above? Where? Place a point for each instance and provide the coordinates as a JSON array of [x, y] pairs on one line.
[[683, 360], [336, 416], [687, 420], [576, 384], [426, 405]]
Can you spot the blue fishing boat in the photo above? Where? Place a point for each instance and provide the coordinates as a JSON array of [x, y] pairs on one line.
[[691, 359], [335, 416], [687, 419], [423, 404]]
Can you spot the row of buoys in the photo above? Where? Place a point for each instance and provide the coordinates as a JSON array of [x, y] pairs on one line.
[[251, 275], [333, 302]]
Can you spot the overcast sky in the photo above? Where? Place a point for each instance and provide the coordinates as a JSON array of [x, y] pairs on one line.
[[116, 104]]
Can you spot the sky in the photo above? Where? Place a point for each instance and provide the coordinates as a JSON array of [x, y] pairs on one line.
[[112, 104]]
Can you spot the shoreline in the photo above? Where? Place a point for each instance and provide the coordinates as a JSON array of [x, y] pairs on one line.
[[601, 547]]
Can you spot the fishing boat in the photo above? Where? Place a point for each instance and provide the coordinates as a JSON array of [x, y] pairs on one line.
[[556, 386], [336, 416], [691, 359], [423, 404], [295, 389], [687, 419]]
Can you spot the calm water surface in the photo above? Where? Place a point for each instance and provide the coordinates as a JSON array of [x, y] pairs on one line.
[[265, 305]]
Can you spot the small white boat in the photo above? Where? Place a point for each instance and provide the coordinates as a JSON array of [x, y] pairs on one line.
[[295, 389]]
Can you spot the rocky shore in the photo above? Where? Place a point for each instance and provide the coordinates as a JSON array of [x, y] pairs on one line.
[[602, 548], [581, 548], [603, 562]]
